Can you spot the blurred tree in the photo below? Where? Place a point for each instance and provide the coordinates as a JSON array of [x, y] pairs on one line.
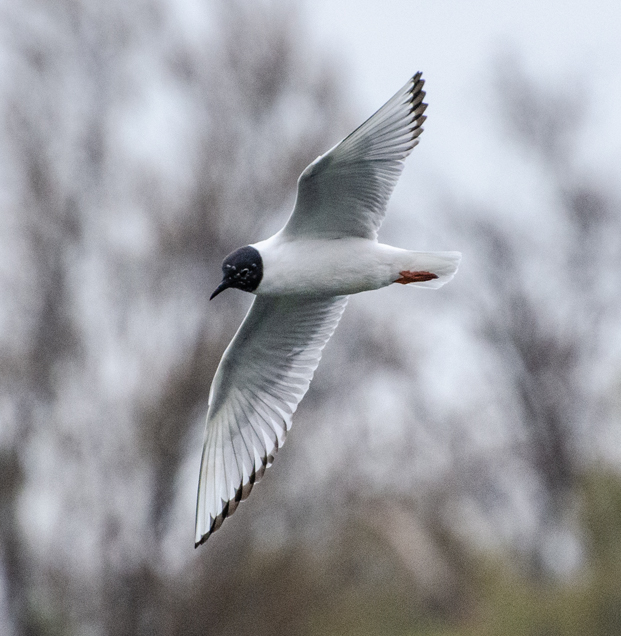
[[139, 146], [545, 298]]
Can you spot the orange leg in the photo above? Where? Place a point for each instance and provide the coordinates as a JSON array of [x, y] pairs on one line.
[[414, 277]]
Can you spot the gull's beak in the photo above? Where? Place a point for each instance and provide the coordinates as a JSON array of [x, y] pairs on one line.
[[225, 284]]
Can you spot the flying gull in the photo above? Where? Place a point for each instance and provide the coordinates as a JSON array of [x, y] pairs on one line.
[[301, 277]]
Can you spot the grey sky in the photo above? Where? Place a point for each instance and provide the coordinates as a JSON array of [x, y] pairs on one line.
[[455, 44]]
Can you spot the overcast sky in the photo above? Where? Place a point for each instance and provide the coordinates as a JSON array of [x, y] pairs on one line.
[[456, 44]]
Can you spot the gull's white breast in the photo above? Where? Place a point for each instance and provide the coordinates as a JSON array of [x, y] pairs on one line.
[[332, 267]]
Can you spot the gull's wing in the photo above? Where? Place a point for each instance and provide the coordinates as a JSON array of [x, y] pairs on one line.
[[345, 192], [263, 375]]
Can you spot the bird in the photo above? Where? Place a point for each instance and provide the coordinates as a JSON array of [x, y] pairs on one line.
[[301, 278]]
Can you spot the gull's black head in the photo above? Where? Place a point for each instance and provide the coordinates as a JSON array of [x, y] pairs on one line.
[[243, 269]]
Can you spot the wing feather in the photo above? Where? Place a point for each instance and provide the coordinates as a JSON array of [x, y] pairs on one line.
[[263, 375], [345, 191]]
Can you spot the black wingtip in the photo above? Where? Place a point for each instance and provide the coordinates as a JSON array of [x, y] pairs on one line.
[[417, 94]]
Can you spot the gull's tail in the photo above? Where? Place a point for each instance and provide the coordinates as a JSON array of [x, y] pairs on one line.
[[429, 269]]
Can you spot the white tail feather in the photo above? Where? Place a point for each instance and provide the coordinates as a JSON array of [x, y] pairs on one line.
[[442, 264]]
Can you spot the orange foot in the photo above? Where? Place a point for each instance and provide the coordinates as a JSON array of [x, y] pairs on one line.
[[414, 277]]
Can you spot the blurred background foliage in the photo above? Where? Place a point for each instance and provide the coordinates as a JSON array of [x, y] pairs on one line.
[[141, 142]]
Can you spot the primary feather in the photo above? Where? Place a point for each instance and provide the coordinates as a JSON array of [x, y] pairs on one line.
[[263, 375], [345, 191]]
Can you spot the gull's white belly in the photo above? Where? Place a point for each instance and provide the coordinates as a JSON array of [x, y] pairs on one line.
[[332, 267]]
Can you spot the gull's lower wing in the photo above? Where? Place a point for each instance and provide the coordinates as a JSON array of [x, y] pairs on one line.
[[345, 191], [263, 375]]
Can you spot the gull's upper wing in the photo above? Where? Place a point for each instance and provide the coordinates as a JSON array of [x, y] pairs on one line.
[[263, 375], [345, 191]]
